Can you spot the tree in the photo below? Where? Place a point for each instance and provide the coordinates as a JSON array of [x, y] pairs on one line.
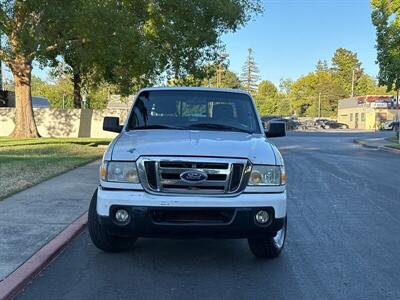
[[176, 39], [126, 43], [59, 91], [250, 73], [322, 65], [31, 29], [284, 105], [366, 85], [285, 85], [267, 89], [344, 62], [180, 39], [209, 78], [386, 19], [103, 50], [306, 90], [265, 98], [229, 80]]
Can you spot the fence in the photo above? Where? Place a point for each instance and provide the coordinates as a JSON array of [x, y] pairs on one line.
[[64, 122]]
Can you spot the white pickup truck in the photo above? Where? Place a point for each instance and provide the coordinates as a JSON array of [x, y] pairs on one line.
[[191, 163]]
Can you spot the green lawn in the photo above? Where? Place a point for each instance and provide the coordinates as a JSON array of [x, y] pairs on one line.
[[394, 142], [26, 162], [396, 146]]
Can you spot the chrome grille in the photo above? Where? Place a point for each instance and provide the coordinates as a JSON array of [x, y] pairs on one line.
[[163, 174]]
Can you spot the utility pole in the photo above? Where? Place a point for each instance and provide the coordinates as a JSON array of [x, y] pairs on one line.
[[319, 105], [352, 83], [222, 58], [219, 75]]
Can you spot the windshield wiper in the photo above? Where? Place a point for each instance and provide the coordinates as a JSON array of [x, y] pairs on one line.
[[156, 127], [218, 126]]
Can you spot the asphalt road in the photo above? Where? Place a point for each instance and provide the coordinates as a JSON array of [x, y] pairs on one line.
[[343, 241]]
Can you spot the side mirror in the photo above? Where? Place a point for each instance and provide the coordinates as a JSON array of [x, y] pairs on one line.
[[112, 124], [275, 129]]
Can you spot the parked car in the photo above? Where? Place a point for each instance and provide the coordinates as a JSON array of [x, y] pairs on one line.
[[291, 124], [390, 125], [320, 123], [169, 173], [307, 124], [395, 125], [266, 119], [334, 125]]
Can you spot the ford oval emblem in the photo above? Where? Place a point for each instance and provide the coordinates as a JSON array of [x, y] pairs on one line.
[[194, 176]]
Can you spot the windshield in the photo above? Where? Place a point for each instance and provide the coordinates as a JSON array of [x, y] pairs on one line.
[[195, 110]]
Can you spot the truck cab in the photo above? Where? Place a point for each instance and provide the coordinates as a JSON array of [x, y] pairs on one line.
[[191, 163]]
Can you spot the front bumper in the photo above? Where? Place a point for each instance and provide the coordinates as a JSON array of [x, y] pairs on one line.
[[239, 210], [106, 198], [142, 223]]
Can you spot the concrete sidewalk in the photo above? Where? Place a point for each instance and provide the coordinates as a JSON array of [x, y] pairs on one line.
[[33, 217], [377, 143]]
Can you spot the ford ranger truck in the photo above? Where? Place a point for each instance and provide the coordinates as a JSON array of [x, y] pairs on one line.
[[191, 163]]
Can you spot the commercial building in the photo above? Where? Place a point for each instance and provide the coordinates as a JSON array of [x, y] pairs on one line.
[[367, 112]]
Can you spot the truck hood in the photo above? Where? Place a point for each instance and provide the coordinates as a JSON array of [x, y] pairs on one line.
[[129, 146]]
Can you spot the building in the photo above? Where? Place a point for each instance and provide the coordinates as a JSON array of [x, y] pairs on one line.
[[367, 112]]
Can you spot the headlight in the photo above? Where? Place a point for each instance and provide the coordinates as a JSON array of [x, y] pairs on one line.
[[119, 172], [267, 175]]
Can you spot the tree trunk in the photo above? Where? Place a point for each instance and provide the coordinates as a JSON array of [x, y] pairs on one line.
[[25, 126], [77, 89]]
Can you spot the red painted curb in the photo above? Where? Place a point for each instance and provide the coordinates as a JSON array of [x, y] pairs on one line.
[[18, 279]]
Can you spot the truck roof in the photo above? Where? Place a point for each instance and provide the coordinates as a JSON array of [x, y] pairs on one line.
[[207, 89]]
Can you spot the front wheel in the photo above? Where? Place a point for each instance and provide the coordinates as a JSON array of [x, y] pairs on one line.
[[271, 246], [98, 233]]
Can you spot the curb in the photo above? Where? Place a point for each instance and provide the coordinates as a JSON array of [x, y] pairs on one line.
[[18, 279], [383, 148], [390, 149], [364, 144]]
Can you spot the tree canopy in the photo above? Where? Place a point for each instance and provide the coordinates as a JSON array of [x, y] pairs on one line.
[[208, 78], [300, 96], [31, 30], [344, 63], [250, 73], [125, 43], [386, 19]]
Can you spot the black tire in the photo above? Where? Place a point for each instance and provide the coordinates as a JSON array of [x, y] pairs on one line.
[[98, 233], [269, 247]]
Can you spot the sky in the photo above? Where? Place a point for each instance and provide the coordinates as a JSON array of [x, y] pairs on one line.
[[292, 35]]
